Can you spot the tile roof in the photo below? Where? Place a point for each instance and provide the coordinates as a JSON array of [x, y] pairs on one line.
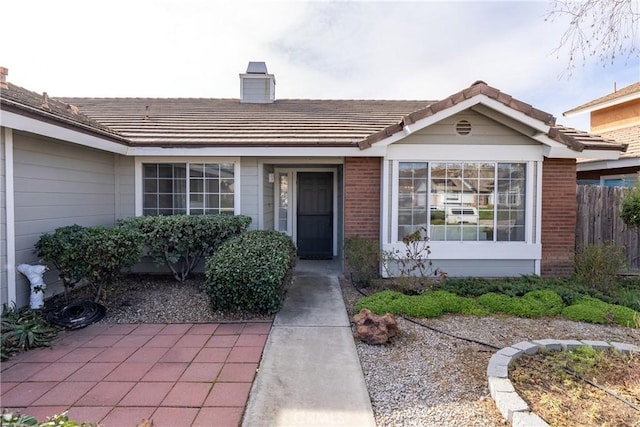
[[193, 122], [630, 136], [572, 138], [628, 90], [16, 98], [204, 122]]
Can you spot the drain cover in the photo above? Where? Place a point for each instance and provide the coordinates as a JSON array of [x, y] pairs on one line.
[[78, 314]]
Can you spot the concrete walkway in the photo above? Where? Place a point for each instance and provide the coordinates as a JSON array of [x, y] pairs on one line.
[[310, 374]]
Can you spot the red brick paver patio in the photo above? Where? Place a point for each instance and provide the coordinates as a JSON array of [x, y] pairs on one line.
[[177, 374]]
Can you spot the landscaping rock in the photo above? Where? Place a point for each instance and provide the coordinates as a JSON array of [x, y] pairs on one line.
[[374, 329]]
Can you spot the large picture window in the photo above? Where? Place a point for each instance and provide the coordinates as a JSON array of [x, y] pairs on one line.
[[462, 201], [188, 188]]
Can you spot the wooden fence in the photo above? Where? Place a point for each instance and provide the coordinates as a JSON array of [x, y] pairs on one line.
[[599, 221]]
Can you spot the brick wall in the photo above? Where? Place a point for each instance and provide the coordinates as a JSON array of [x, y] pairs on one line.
[[558, 216], [362, 197]]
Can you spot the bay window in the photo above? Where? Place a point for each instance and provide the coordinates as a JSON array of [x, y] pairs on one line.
[[462, 201]]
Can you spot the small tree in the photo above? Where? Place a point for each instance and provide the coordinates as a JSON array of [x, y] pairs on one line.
[[630, 213]]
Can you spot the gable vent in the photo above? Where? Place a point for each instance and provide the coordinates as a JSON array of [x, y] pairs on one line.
[[463, 127]]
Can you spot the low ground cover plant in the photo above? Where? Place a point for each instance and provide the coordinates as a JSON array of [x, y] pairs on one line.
[[249, 273], [180, 242], [23, 330], [534, 304], [10, 419]]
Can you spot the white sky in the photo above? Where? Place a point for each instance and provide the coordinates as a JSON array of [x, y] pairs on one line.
[[341, 50]]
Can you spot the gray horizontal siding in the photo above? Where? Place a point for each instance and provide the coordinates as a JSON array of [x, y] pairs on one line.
[[484, 131], [249, 189], [57, 184]]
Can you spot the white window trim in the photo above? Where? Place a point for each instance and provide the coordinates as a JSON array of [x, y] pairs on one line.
[[139, 161], [530, 249]]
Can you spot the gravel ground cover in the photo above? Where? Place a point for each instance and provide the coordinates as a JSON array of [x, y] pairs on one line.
[[140, 298], [424, 378]]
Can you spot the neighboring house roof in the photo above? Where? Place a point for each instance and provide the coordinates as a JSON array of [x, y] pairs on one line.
[[194, 122], [630, 136], [41, 106], [618, 97]]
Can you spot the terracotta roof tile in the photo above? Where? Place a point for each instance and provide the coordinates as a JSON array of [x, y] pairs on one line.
[[630, 136]]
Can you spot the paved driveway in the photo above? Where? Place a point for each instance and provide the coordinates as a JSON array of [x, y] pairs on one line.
[[176, 374]]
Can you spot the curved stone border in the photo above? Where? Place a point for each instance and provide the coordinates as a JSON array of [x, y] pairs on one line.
[[512, 407]]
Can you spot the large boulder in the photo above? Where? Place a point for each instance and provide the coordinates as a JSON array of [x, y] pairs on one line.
[[374, 329]]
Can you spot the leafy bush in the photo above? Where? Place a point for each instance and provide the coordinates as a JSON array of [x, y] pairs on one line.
[[630, 213], [249, 272], [64, 248], [532, 304], [363, 257], [597, 266], [98, 254], [595, 311], [23, 331], [108, 251], [182, 241]]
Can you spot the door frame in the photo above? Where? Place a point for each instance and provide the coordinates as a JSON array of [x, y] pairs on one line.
[[292, 214]]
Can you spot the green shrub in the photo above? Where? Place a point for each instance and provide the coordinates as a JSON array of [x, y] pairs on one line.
[[64, 248], [597, 266], [427, 305], [533, 304], [181, 241], [107, 252], [249, 272], [630, 213], [98, 254], [592, 310], [363, 257], [23, 330]]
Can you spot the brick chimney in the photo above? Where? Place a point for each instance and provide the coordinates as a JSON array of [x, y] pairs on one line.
[[256, 85], [4, 72]]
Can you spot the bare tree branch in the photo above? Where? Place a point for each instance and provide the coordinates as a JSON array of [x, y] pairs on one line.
[[605, 29]]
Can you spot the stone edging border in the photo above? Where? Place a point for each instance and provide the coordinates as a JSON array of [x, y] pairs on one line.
[[512, 407]]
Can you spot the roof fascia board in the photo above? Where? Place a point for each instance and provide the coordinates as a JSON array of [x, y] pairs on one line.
[[27, 124], [602, 105], [259, 151], [608, 164], [487, 103]]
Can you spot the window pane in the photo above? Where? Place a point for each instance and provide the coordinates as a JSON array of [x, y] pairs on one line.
[[511, 201], [150, 171], [196, 170], [226, 185], [150, 185], [212, 185], [213, 201], [226, 201], [212, 171], [165, 171], [412, 198], [165, 186], [196, 185], [226, 170]]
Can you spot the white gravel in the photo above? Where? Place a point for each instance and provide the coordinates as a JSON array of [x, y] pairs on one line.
[[424, 378]]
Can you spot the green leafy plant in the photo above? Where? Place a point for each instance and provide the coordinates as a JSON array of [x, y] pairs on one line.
[[181, 241], [23, 330], [363, 257], [249, 273], [64, 248], [107, 252], [597, 266], [10, 419], [630, 213]]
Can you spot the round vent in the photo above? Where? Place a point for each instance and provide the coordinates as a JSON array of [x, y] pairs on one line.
[[463, 127]]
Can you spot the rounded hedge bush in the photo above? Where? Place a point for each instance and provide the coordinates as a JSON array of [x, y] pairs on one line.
[[248, 273]]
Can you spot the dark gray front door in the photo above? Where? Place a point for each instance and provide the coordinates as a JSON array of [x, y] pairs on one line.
[[315, 215]]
